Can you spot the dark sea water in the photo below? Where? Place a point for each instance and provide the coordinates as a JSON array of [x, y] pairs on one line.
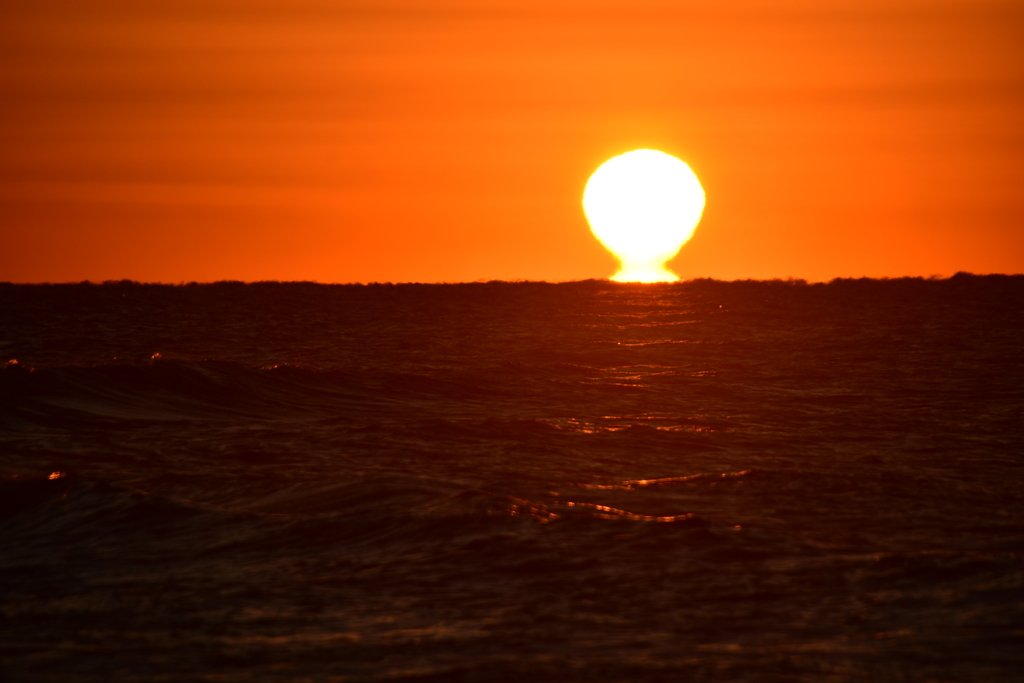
[[704, 481]]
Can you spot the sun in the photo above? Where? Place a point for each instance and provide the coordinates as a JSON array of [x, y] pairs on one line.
[[643, 206]]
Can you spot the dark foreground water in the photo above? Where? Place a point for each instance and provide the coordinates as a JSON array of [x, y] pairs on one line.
[[707, 481]]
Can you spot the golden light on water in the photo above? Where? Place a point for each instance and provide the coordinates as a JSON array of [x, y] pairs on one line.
[[643, 206]]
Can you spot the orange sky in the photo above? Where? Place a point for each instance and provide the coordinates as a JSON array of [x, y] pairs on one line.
[[434, 141]]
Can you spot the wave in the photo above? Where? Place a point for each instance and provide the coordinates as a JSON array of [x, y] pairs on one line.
[[169, 390], [370, 515], [488, 403]]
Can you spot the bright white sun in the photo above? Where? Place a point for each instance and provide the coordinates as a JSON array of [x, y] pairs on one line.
[[643, 206]]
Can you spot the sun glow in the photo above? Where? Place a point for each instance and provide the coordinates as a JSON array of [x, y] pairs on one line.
[[643, 206]]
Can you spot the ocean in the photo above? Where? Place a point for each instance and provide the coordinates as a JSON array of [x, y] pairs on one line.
[[513, 481]]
